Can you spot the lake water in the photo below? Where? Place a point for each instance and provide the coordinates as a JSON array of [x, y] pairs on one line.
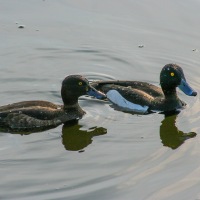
[[108, 154]]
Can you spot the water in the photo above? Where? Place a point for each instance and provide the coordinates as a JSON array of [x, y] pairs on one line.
[[108, 154]]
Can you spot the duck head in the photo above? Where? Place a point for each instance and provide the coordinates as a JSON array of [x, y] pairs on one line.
[[172, 76], [74, 86]]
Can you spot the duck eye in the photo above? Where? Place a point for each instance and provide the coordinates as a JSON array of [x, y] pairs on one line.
[[80, 83], [172, 74]]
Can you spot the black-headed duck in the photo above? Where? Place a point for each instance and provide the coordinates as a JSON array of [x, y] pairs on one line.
[[145, 97], [33, 115]]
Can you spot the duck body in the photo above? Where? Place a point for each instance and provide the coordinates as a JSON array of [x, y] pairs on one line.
[[145, 97], [40, 115], [34, 115]]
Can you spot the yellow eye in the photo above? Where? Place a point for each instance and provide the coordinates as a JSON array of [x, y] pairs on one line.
[[172, 74], [80, 83]]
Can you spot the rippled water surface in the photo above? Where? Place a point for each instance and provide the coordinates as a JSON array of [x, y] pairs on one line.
[[108, 154]]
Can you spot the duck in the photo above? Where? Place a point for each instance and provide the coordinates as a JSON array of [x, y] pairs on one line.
[[40, 115], [143, 97]]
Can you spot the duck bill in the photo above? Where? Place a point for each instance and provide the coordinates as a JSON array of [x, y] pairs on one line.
[[184, 86], [94, 93]]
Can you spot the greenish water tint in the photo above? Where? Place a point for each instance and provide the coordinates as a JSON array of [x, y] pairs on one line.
[[108, 154], [75, 139], [170, 135]]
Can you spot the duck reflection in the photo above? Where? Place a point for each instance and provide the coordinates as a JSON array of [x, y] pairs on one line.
[[169, 133], [75, 139], [26, 132]]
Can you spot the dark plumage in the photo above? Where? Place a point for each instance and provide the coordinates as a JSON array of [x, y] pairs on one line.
[[39, 115], [145, 94]]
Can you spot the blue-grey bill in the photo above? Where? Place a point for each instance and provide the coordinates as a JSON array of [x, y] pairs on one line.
[[184, 86], [97, 94]]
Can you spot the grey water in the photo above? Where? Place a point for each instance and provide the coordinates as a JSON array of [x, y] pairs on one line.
[[108, 154]]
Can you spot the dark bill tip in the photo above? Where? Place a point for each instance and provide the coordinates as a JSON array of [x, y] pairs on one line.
[[184, 86], [194, 93]]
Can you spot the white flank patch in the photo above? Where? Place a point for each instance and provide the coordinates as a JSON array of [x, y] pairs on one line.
[[115, 97]]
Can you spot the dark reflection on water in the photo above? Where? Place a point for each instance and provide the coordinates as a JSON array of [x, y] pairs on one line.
[[170, 135], [75, 139], [26, 132]]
